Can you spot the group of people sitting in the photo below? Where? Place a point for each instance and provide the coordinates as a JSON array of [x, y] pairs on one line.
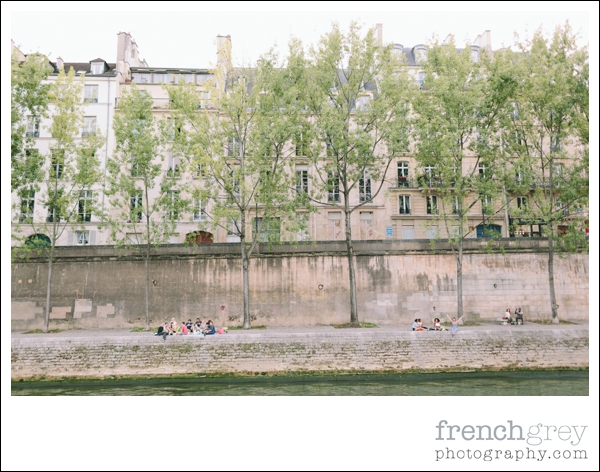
[[418, 325], [186, 328], [507, 318]]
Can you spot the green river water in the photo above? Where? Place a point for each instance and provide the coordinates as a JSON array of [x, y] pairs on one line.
[[531, 383]]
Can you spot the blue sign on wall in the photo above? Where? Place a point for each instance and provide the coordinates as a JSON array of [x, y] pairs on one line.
[[389, 231]]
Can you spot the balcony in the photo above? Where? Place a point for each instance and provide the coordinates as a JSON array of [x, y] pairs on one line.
[[402, 182], [165, 104]]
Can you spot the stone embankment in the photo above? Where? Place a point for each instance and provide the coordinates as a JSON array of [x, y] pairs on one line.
[[102, 354]]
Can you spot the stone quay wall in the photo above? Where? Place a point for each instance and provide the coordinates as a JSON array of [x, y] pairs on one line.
[[366, 350], [101, 287]]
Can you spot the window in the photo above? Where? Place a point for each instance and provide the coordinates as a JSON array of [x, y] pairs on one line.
[[172, 204], [335, 225], [162, 78], [515, 111], [366, 225], [97, 68], [33, 128], [555, 144], [82, 238], [558, 170], [482, 139], [199, 210], [141, 78], [199, 172], [482, 168], [233, 147], [430, 176], [232, 229], [403, 174], [487, 204], [404, 205], [301, 144], [408, 232], [266, 229], [58, 163], [432, 205], [135, 167], [89, 126], [363, 102], [303, 233], [27, 205], [333, 188], [173, 168], [561, 207], [53, 215], [455, 204], [475, 53], [521, 202], [518, 137], [432, 232], [135, 204], [90, 94], [302, 179], [330, 147], [364, 187], [421, 80], [85, 205], [420, 54]]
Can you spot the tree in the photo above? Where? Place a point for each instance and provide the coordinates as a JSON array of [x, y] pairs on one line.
[[241, 151], [144, 201], [357, 95], [547, 136], [456, 121], [71, 171], [29, 104]]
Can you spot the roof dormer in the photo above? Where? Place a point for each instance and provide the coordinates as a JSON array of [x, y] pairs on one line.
[[98, 66]]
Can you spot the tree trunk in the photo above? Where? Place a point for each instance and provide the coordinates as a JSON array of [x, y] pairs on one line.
[[551, 274], [245, 264], [48, 288], [350, 249], [147, 294], [459, 280]]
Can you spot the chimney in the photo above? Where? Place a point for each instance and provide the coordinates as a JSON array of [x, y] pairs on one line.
[[224, 55], [59, 63], [379, 31]]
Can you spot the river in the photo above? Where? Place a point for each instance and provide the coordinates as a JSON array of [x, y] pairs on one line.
[[526, 383]]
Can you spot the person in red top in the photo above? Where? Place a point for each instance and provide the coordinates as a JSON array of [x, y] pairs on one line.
[[184, 329]]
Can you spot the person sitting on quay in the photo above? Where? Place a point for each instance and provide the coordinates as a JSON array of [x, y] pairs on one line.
[[184, 329], [437, 326], [507, 318], [420, 326], [196, 329], [189, 324], [519, 316], [163, 331], [210, 328], [415, 325]]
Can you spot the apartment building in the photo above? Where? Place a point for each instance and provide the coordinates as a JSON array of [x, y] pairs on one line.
[[406, 208]]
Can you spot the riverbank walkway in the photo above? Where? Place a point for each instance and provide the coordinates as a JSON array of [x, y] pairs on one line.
[[489, 326]]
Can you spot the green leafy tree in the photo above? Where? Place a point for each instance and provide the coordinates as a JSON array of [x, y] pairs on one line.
[[457, 122], [71, 170], [29, 104], [356, 94], [145, 202], [240, 148], [547, 137]]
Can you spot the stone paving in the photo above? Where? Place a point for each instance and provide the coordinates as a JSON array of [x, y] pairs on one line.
[[295, 330]]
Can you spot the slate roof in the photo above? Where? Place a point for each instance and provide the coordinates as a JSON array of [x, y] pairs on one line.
[[109, 68]]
